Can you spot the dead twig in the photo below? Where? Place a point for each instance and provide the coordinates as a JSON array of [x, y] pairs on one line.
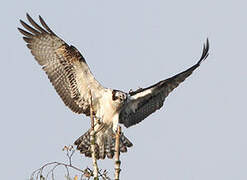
[[117, 154], [92, 139], [48, 170]]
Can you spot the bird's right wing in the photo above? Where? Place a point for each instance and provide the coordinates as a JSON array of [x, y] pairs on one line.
[[65, 66], [144, 102]]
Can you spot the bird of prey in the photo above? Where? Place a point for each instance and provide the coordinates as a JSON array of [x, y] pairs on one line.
[[71, 77]]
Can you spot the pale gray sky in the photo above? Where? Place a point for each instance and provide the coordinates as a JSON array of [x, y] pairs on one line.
[[199, 134]]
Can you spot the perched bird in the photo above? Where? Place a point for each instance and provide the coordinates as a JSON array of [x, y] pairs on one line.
[[71, 77]]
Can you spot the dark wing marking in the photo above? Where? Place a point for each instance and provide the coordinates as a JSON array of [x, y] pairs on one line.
[[65, 66], [144, 102]]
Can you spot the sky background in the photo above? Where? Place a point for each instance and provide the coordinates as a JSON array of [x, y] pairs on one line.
[[199, 134]]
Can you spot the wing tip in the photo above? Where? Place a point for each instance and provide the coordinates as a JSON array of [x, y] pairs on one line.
[[25, 33], [205, 52], [36, 28], [42, 21], [27, 15]]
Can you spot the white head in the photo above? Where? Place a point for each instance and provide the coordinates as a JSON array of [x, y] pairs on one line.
[[119, 97]]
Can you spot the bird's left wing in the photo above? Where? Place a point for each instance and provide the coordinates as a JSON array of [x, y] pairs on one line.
[[144, 102], [65, 66]]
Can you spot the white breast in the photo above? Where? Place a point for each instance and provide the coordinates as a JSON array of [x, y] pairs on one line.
[[105, 107]]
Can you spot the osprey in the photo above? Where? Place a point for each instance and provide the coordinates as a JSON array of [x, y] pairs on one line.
[[71, 77]]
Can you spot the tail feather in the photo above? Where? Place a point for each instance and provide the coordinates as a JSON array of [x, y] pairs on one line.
[[105, 144]]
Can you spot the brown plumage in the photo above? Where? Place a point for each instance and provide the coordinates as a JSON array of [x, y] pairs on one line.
[[69, 74], [71, 77]]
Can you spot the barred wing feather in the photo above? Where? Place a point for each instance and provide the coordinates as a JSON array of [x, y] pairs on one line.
[[65, 66]]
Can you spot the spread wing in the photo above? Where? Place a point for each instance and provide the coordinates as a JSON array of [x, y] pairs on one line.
[[65, 66], [144, 102]]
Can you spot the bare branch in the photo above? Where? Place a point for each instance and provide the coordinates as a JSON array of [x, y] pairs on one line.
[[49, 168], [92, 139], [117, 154]]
